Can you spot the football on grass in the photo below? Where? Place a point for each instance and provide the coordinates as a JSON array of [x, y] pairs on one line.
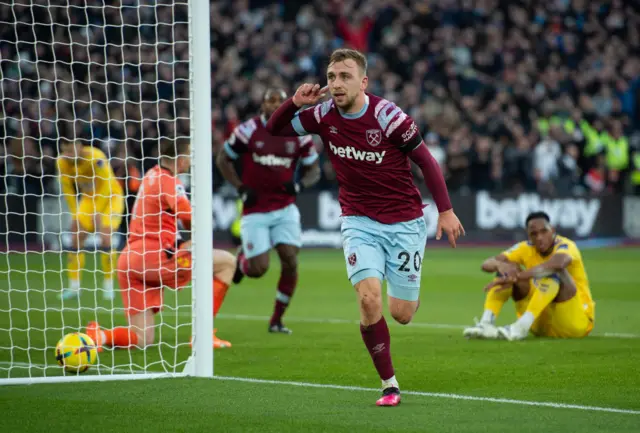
[[76, 352]]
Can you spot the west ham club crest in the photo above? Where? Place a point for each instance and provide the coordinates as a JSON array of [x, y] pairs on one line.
[[374, 137]]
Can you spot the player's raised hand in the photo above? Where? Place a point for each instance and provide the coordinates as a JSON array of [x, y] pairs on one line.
[[309, 94], [449, 223]]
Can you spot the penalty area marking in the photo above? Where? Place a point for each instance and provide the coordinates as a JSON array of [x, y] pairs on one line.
[[435, 395]]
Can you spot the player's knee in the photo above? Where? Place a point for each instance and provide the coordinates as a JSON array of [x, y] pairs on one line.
[[224, 265], [403, 311], [258, 266], [403, 317], [370, 296]]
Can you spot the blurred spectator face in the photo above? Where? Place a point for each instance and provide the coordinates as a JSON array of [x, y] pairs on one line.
[[616, 128], [273, 98], [483, 144], [346, 80], [70, 150]]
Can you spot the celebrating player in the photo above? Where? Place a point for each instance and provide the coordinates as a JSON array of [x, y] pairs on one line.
[[370, 142], [268, 190], [552, 294], [154, 257], [96, 202]]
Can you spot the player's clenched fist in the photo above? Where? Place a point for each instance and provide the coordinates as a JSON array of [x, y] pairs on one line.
[[309, 94]]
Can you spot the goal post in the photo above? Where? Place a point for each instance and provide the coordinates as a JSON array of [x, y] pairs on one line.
[[200, 62], [121, 78]]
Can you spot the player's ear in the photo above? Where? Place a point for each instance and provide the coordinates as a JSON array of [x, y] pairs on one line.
[[364, 83]]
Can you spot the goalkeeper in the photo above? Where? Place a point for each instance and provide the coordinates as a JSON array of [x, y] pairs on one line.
[[96, 202], [155, 257]]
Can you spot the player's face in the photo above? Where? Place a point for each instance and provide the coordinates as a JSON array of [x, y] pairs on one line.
[[346, 81], [183, 162], [541, 234], [271, 102]]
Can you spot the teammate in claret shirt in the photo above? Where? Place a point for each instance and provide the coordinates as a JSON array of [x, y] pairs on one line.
[[155, 257], [268, 189], [370, 142]]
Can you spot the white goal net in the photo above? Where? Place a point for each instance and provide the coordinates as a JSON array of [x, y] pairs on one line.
[[90, 92]]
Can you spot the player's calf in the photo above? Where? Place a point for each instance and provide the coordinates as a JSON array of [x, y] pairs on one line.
[[143, 326], [288, 255]]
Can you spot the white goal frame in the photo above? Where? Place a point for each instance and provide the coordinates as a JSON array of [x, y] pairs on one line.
[[200, 362]]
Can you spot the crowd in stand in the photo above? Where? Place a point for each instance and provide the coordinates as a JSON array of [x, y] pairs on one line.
[[510, 95]]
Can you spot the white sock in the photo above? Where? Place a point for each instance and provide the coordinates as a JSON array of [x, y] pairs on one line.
[[488, 317], [391, 382], [107, 285], [75, 285], [525, 321]]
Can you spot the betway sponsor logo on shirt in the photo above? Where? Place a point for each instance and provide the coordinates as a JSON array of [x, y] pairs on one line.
[[579, 214], [272, 160], [350, 152]]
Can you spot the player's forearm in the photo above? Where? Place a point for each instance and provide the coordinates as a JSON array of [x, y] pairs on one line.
[[493, 264], [311, 176], [228, 171], [433, 177], [490, 265], [280, 121], [557, 263], [183, 213]]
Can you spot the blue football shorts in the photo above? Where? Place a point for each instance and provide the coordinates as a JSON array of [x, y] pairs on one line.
[[391, 252], [262, 231]]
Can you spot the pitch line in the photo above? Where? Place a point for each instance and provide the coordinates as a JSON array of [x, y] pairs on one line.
[[440, 395], [435, 395], [333, 321], [249, 317]]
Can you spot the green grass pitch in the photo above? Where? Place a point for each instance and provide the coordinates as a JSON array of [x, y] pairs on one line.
[[430, 357]]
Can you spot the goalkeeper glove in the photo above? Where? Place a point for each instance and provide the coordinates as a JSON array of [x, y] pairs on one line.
[[248, 196]]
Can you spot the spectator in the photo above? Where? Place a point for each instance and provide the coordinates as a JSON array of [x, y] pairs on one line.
[[545, 163], [508, 72]]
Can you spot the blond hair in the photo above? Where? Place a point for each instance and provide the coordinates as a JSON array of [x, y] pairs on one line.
[[342, 54]]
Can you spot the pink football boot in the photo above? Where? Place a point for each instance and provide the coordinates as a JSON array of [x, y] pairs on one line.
[[390, 397]]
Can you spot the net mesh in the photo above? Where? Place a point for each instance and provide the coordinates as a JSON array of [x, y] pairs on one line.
[[113, 77]]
